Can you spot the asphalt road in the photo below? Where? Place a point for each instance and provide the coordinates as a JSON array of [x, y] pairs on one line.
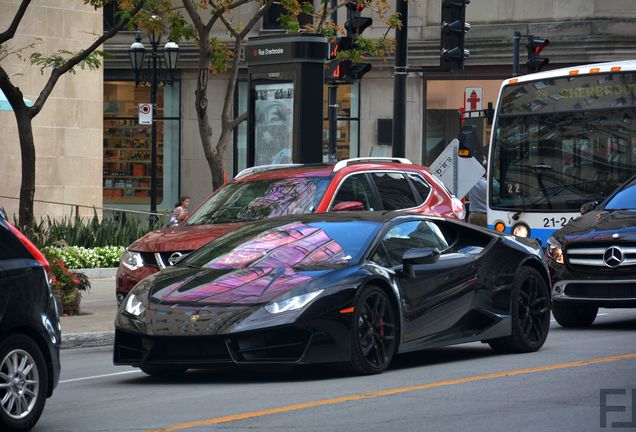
[[462, 388]]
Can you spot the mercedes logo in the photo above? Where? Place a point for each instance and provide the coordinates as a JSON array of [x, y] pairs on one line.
[[613, 256], [174, 258]]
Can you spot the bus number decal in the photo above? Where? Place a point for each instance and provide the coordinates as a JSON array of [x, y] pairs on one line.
[[514, 188], [556, 222]]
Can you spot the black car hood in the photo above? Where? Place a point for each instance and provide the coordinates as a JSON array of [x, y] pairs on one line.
[[600, 226], [229, 287]]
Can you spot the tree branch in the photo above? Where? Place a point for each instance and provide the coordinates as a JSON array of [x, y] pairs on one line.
[[238, 120], [252, 22], [194, 16], [229, 27], [13, 93], [76, 59], [10, 32]]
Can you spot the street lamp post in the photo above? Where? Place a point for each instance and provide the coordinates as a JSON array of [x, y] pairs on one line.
[[154, 74]]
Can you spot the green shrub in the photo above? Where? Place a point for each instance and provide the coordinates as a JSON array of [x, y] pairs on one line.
[[78, 257], [91, 233]]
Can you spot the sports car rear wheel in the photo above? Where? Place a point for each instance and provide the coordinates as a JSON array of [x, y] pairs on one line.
[[574, 315], [163, 371], [530, 314], [374, 331]]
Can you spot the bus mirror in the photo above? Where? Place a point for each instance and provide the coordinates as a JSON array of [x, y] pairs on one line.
[[468, 142]]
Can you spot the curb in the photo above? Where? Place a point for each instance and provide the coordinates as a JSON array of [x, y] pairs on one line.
[[98, 273], [88, 339]]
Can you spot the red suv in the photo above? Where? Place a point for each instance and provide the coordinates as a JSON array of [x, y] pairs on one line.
[[276, 190]]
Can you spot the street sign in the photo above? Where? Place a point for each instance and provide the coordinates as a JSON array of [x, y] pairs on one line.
[[145, 114], [458, 174], [473, 97]]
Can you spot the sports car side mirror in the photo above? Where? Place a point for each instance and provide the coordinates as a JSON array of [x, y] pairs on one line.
[[414, 257], [348, 206], [588, 207]]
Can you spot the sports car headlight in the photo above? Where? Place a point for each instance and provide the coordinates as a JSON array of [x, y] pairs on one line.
[[134, 306], [292, 303], [131, 260], [555, 251]]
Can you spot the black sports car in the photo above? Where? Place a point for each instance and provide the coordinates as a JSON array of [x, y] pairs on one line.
[[592, 259], [346, 287]]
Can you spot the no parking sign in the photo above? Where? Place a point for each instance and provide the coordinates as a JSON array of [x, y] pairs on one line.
[[145, 114]]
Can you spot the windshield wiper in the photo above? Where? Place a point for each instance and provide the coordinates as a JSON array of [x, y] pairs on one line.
[[547, 195]]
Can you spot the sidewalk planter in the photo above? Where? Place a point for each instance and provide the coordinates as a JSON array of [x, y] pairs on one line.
[[68, 287]]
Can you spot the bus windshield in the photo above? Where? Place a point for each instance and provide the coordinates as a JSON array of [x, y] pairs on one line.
[[561, 142]]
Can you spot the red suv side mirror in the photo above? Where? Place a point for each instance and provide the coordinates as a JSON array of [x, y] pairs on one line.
[[348, 206]]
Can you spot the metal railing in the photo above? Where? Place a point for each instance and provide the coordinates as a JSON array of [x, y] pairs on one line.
[[77, 207]]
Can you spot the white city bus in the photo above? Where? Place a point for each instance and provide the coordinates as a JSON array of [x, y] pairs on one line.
[[560, 139]]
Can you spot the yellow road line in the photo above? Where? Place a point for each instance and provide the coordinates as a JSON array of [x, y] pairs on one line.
[[388, 392]]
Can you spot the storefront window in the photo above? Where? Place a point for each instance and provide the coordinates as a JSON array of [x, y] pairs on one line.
[[443, 100], [127, 145], [347, 134]]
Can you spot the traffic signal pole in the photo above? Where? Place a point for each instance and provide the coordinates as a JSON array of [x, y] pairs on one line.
[[332, 111], [399, 87], [516, 36]]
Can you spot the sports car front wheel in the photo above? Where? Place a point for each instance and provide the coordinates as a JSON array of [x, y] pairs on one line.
[[373, 333], [530, 310]]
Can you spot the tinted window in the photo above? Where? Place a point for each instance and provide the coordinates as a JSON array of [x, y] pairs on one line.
[[395, 191], [625, 199], [287, 244], [421, 186], [255, 200], [355, 188], [410, 235]]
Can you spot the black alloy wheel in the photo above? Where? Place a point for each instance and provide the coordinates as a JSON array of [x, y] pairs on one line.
[[530, 314], [374, 332], [23, 383], [574, 315]]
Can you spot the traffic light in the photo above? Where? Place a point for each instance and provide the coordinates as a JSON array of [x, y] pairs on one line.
[[338, 70], [535, 46], [345, 71], [454, 28], [468, 142]]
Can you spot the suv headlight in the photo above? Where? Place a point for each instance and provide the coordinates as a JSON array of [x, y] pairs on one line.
[[555, 251], [292, 303], [131, 260]]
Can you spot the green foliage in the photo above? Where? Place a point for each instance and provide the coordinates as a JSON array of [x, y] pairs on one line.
[[77, 257], [90, 233], [55, 61], [221, 55]]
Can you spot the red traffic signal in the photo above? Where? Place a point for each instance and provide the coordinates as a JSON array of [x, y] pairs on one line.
[[535, 46]]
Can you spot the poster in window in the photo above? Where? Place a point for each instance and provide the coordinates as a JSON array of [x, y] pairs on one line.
[[274, 119]]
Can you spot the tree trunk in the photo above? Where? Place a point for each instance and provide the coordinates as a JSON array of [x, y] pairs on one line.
[[215, 162], [27, 188]]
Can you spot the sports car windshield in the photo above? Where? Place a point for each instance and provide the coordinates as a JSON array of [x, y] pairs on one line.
[[261, 199], [287, 244], [625, 199]]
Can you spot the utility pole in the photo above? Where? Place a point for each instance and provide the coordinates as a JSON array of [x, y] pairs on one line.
[[516, 36], [399, 88]]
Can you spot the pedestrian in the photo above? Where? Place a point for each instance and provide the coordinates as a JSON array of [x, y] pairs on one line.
[[180, 211], [477, 199]]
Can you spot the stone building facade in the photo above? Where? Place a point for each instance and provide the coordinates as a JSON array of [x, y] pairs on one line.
[[68, 131]]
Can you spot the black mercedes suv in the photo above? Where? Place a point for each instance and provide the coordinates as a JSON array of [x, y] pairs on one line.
[[592, 259], [29, 331]]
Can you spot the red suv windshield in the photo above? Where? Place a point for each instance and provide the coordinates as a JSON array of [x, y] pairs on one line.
[[261, 199]]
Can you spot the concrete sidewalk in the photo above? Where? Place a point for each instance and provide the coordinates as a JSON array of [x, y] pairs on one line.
[[95, 326]]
